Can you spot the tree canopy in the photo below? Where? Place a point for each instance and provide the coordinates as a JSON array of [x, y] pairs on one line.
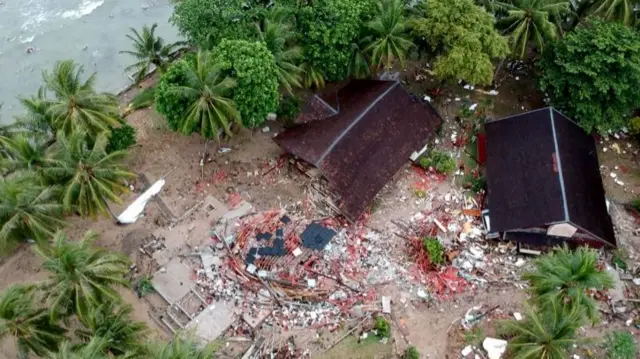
[[464, 37], [328, 28], [592, 74], [254, 68]]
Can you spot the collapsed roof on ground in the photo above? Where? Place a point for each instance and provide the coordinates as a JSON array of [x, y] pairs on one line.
[[542, 171], [359, 136]]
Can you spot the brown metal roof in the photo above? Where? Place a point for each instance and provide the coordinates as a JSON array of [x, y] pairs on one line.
[[377, 127], [542, 168]]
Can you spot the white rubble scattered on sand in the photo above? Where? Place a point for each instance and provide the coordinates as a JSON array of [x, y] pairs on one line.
[[134, 211], [466, 350], [494, 347]]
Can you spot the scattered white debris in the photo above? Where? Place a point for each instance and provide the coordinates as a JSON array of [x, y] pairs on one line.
[[442, 228], [297, 252], [266, 129], [473, 107], [457, 99], [618, 182], [520, 262], [636, 281], [517, 316], [494, 347], [251, 268], [224, 150], [386, 305], [493, 93], [466, 350], [311, 283], [427, 98], [468, 87], [517, 78], [134, 211], [422, 294], [613, 175]]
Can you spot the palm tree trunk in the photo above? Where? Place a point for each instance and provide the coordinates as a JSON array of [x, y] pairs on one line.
[[108, 208]]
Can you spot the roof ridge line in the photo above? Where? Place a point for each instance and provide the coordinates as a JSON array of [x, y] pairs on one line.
[[355, 122], [559, 164], [517, 114], [335, 112]]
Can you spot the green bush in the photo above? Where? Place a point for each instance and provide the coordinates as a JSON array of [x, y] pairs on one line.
[[434, 249], [411, 353], [289, 109], [254, 68], [382, 327], [478, 184], [145, 286], [621, 345], [636, 204], [440, 161], [121, 138], [634, 126], [328, 29], [592, 74], [169, 103]]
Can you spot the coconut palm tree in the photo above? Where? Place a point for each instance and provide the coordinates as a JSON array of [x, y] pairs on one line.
[[27, 210], [388, 30], [567, 275], [77, 107], [37, 120], [30, 326], [359, 67], [92, 350], [279, 38], [211, 111], [89, 176], [182, 346], [112, 322], [312, 76], [615, 10], [526, 20], [150, 50], [81, 276], [545, 334], [20, 152]]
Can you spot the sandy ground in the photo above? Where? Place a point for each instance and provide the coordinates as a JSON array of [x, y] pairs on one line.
[[160, 152]]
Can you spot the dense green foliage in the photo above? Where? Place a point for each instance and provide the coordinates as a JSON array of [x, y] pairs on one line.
[[464, 37], [280, 39], [31, 327], [121, 138], [207, 22], [440, 161], [21, 152], [202, 95], [621, 345], [77, 107], [169, 103], [327, 29], [289, 109], [567, 275], [28, 210], [89, 176], [545, 334], [435, 250], [614, 10], [532, 20], [81, 277], [254, 68], [592, 75], [382, 327], [388, 31], [150, 50]]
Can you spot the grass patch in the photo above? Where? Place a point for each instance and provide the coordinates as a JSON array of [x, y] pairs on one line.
[[366, 349], [382, 328], [619, 259], [475, 336], [434, 249], [620, 345], [411, 353]]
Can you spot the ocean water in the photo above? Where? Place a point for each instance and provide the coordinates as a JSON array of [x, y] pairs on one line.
[[36, 33]]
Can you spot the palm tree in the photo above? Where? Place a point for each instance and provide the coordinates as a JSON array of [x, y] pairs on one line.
[[537, 20], [27, 210], [279, 38], [81, 276], [182, 347], [112, 322], [567, 275], [89, 176], [31, 327], [544, 334], [389, 33], [358, 64], [616, 10], [37, 120], [149, 50], [22, 153], [77, 106], [211, 110], [312, 76], [92, 350]]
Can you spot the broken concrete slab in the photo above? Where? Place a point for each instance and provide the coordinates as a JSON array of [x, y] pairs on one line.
[[617, 292], [213, 321], [242, 210], [386, 305], [173, 281], [494, 347]]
